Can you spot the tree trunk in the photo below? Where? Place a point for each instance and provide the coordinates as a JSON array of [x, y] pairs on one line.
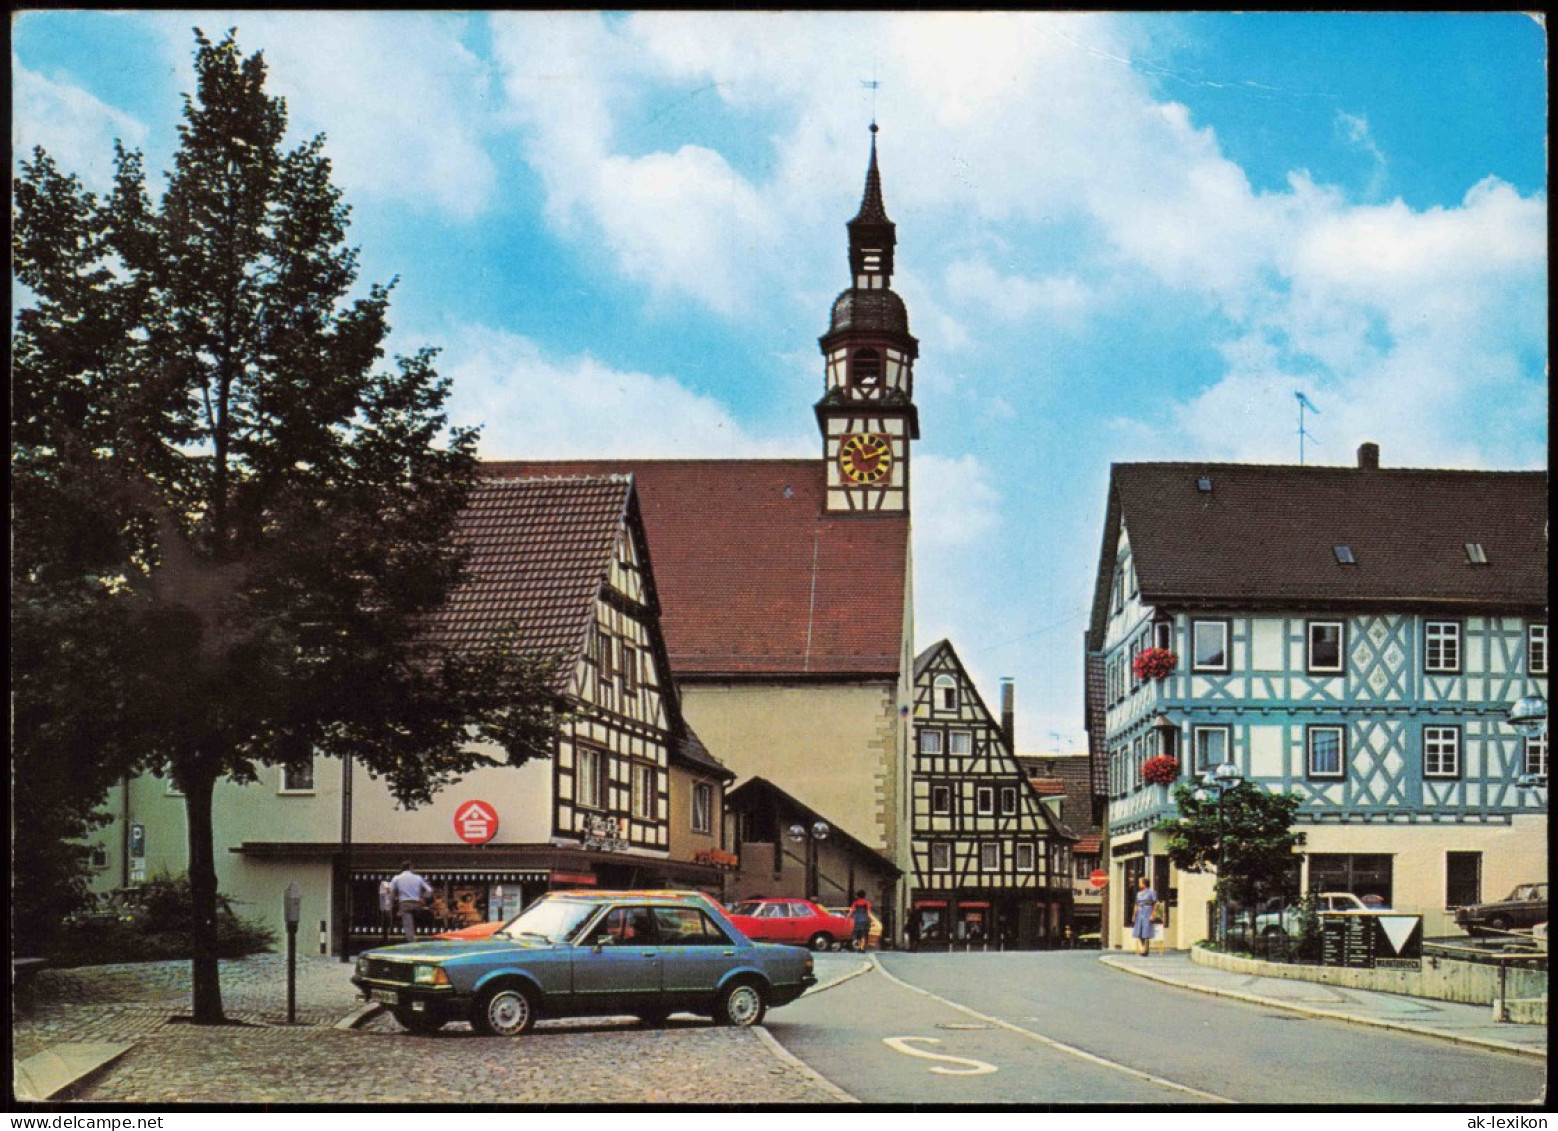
[[205, 975]]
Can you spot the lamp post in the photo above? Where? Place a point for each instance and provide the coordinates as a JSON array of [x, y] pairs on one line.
[[812, 836], [1222, 779], [1527, 716]]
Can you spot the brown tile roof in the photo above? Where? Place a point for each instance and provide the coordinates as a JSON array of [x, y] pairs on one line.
[[1264, 536], [753, 578], [1070, 774], [540, 550]]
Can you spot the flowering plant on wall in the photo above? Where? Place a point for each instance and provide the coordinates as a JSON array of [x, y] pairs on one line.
[[1154, 663], [1162, 770]]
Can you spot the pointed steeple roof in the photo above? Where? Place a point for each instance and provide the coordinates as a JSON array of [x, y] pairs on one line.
[[872, 210], [871, 227]]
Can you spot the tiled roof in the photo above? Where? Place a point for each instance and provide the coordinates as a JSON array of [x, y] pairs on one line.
[[540, 549], [1265, 536], [754, 579], [690, 751], [1070, 774]]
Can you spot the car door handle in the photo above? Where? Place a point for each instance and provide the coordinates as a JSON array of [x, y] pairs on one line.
[[649, 954]]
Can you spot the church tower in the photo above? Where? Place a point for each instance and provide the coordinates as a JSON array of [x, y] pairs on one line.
[[867, 414]]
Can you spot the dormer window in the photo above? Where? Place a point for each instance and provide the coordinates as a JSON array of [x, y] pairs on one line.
[[865, 367]]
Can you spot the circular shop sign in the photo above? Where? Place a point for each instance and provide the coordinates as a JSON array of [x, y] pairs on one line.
[[475, 822]]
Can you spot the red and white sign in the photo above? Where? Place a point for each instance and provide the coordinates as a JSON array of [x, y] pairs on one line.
[[1099, 880], [475, 822]]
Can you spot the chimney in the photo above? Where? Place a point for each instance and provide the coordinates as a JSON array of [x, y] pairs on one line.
[[1368, 457], [1009, 714]]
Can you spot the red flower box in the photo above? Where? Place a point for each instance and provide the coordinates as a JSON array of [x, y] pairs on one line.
[[1154, 663], [1162, 770]]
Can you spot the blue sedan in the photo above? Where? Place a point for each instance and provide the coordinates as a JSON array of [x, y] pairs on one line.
[[588, 954]]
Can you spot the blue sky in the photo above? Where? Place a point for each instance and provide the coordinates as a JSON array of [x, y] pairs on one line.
[[1120, 237]]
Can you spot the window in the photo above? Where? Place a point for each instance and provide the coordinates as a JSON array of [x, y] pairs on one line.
[[941, 857], [1136, 761], [601, 650], [1344, 554], [298, 778], [702, 807], [1475, 554], [1326, 646], [1442, 646], [989, 857], [944, 694], [1326, 751], [1025, 858], [961, 742], [930, 742], [1536, 754], [1442, 752], [1536, 649], [1209, 646], [590, 778], [99, 856], [1462, 878], [1008, 800], [984, 800], [941, 800], [866, 367], [1211, 747], [629, 669], [1361, 874], [1163, 634], [644, 791]]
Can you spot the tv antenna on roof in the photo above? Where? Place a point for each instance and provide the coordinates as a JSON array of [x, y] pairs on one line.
[[1303, 403]]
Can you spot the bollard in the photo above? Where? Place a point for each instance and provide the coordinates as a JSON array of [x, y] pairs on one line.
[[292, 906]]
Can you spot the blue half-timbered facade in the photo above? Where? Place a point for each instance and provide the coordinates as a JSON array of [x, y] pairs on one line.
[[1354, 636]]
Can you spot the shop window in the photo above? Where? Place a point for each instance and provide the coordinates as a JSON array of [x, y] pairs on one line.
[[1462, 879], [1365, 875]]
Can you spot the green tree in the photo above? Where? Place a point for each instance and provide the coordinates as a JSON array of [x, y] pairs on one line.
[[1248, 844], [210, 460]]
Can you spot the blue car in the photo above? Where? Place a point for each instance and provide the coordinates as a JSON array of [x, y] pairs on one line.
[[576, 954]]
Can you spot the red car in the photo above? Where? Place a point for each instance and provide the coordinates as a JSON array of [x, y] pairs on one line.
[[798, 922]]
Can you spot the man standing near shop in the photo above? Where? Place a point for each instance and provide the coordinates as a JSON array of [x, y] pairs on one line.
[[411, 893]]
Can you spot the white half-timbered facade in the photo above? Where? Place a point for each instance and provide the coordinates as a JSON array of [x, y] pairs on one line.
[[991, 865], [1352, 636]]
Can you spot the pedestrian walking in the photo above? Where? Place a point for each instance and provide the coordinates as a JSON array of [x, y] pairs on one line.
[[860, 912], [411, 894], [1146, 915], [913, 930]]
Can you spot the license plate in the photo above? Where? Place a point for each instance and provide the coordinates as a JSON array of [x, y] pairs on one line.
[[390, 997]]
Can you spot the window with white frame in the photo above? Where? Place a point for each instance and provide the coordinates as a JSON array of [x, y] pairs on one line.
[[941, 800], [1441, 752], [1210, 745], [643, 781], [298, 778], [1327, 751], [1209, 646], [1536, 649], [944, 694], [1025, 858], [960, 743], [1136, 761], [989, 857], [1008, 800], [590, 778], [1536, 754], [603, 650], [1442, 646], [702, 807], [984, 800], [940, 856], [930, 742], [1327, 646]]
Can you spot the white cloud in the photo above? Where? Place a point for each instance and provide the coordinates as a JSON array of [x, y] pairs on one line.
[[77, 129], [955, 505], [1058, 299]]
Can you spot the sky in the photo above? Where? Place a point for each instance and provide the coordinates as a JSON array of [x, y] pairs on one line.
[[1121, 237]]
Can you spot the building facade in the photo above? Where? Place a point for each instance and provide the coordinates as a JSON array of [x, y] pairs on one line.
[[1354, 636], [1064, 784]]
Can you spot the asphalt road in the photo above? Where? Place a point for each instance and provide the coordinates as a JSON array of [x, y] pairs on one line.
[[1057, 1027]]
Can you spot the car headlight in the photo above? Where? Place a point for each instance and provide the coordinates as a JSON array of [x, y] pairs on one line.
[[362, 967], [425, 975]]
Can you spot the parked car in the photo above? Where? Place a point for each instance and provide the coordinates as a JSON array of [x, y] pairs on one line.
[[1526, 906], [572, 954], [1280, 917], [491, 927], [797, 921], [873, 939]]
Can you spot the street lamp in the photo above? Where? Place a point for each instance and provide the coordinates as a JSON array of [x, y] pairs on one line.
[[812, 837], [1527, 716], [1222, 779]]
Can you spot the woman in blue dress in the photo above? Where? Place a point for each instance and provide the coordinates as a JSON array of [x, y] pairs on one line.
[[1146, 908]]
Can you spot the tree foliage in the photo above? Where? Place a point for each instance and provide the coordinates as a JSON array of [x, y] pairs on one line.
[[1254, 828], [224, 493]]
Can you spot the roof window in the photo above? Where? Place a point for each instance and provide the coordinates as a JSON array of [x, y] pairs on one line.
[[1475, 554], [1344, 554], [1204, 483]]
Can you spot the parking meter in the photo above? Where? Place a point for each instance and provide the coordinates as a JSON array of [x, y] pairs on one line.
[[292, 911]]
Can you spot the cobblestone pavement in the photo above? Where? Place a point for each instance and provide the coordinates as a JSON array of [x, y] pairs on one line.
[[264, 1060]]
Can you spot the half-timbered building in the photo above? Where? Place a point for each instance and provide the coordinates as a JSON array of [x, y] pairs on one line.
[[1064, 784], [1354, 636], [991, 862], [564, 564]]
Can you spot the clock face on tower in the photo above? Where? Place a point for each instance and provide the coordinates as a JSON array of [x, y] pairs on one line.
[[865, 457]]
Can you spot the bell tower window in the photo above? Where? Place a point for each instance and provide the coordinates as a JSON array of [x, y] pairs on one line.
[[865, 368]]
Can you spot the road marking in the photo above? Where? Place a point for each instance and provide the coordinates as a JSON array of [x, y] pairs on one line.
[[976, 1067], [1059, 1046]]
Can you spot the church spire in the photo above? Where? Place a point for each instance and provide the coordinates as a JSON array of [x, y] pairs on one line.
[[871, 234]]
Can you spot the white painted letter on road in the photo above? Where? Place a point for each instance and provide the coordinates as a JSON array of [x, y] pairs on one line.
[[975, 1067]]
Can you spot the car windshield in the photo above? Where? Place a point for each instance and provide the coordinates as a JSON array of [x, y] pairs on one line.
[[550, 919]]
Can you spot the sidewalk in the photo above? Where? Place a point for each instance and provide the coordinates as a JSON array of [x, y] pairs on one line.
[[1444, 1020]]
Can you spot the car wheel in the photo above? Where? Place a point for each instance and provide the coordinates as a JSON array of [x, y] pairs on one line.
[[821, 941], [1499, 923], [742, 1005], [415, 1022], [506, 1011]]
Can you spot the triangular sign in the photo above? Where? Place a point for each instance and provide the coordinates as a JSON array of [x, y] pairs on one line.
[[1398, 929]]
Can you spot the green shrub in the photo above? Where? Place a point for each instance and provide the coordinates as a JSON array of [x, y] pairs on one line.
[[151, 924]]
